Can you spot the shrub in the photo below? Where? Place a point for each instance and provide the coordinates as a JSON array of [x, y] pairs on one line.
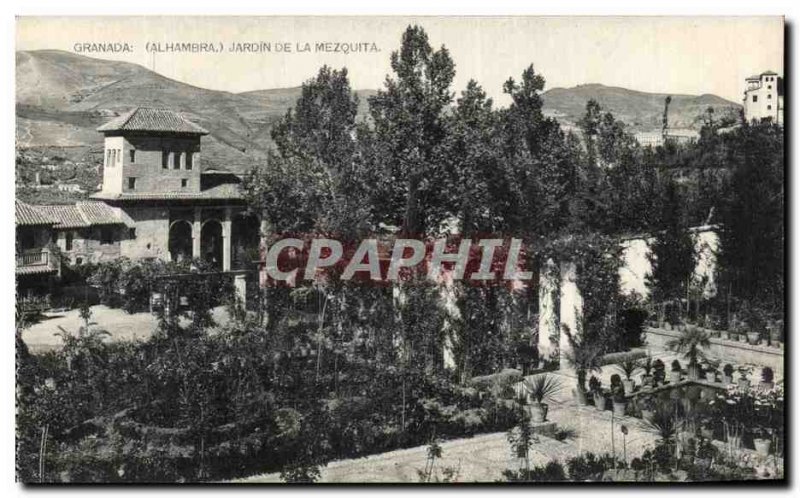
[[767, 375], [676, 366], [728, 369]]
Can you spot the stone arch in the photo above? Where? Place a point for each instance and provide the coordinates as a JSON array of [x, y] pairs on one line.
[[180, 240], [211, 242]]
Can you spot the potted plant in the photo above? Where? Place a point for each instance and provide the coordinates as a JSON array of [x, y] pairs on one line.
[[659, 372], [648, 408], [705, 452], [744, 382], [691, 343], [584, 357], [619, 401], [596, 389], [761, 441], [776, 332], [767, 379], [742, 337], [753, 337], [675, 372], [646, 364], [628, 366], [727, 374], [539, 389], [711, 371], [707, 428]]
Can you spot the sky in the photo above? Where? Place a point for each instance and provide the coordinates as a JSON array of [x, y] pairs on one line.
[[691, 55]]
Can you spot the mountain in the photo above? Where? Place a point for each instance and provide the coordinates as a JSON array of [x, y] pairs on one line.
[[641, 111], [62, 97]]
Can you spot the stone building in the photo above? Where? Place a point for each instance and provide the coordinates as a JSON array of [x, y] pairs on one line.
[[88, 232], [36, 265], [763, 98], [172, 208]]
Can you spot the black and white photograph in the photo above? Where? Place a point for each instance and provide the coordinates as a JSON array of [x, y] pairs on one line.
[[419, 250]]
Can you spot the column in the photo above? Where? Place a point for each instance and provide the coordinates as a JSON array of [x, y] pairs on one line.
[[226, 240], [549, 331], [571, 309], [240, 288], [263, 246], [452, 314], [196, 229]]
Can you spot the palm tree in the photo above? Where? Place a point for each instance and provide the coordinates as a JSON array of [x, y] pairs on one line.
[[584, 357], [691, 343]]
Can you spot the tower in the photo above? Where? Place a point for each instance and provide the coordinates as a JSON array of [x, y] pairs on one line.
[[763, 98], [150, 151]]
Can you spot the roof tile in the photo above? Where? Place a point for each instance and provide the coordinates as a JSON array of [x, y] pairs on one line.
[[28, 215], [148, 119]]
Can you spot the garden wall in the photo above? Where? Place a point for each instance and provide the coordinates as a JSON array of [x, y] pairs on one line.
[[636, 265], [724, 350]]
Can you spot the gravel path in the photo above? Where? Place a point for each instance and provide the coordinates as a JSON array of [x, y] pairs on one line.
[[483, 458]]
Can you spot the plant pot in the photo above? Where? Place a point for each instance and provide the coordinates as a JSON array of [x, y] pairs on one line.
[[693, 372], [735, 442], [744, 384], [599, 401], [762, 446], [727, 379], [674, 376], [776, 335], [766, 386], [725, 335], [538, 412], [742, 338], [619, 408], [628, 385], [711, 377], [648, 415], [580, 397], [703, 463], [753, 337]]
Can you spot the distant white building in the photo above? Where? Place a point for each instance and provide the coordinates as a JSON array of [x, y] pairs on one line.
[[70, 187], [656, 138], [763, 98]]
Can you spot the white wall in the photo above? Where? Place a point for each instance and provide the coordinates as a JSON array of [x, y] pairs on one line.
[[636, 266]]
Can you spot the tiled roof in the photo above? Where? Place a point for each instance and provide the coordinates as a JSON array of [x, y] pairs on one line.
[[99, 213], [226, 191], [66, 215], [34, 270], [83, 214], [147, 119], [27, 215]]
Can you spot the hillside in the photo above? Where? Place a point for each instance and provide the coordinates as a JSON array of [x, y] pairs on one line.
[[62, 97], [640, 110]]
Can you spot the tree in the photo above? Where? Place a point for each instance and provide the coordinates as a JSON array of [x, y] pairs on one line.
[[752, 236], [672, 253], [315, 181], [409, 120]]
